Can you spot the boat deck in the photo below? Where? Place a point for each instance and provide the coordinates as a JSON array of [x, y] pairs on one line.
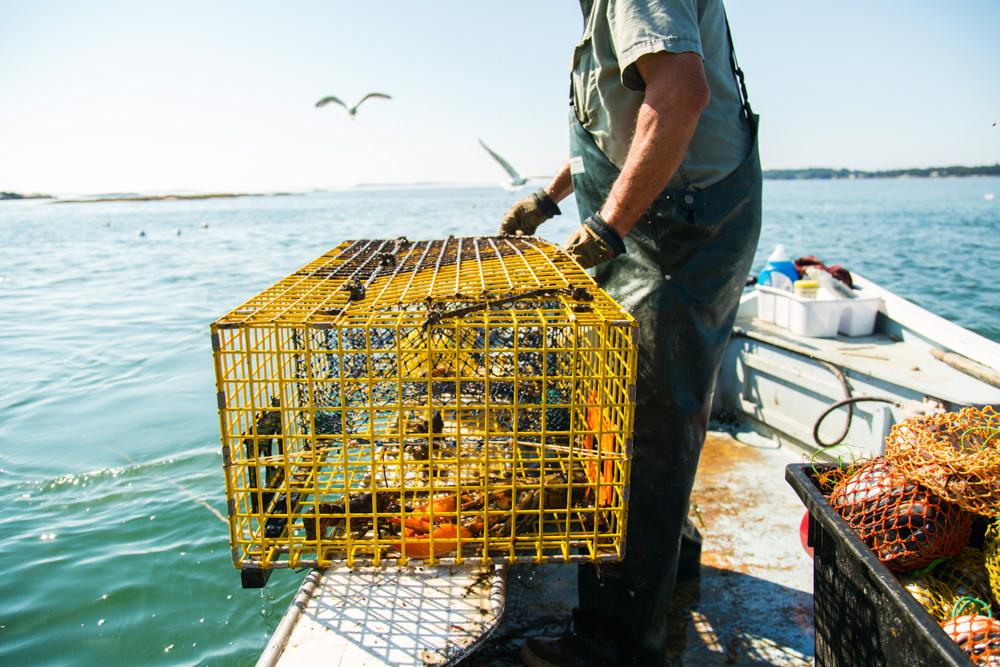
[[753, 603]]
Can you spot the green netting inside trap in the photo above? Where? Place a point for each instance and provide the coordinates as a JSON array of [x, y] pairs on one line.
[[525, 373]]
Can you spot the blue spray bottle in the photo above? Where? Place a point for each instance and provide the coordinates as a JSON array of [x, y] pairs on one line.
[[780, 272]]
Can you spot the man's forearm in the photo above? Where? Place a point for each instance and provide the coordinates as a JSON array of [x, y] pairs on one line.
[[561, 184], [676, 94]]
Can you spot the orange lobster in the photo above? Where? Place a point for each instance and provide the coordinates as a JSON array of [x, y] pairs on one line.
[[426, 531]]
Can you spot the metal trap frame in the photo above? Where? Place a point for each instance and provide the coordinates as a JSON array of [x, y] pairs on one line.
[[465, 400]]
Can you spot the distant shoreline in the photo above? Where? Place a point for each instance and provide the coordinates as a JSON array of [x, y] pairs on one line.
[[159, 198], [811, 173], [854, 174]]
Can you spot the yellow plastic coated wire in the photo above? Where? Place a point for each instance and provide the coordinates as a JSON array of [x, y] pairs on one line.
[[448, 401]]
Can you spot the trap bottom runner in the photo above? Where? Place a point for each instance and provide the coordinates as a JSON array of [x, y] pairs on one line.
[[375, 616]]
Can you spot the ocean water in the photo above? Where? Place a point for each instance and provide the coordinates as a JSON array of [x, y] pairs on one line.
[[112, 536]]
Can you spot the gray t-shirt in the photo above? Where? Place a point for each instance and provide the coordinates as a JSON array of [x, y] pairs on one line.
[[608, 91]]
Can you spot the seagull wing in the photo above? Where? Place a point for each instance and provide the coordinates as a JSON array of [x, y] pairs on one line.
[[331, 98], [514, 174], [382, 95]]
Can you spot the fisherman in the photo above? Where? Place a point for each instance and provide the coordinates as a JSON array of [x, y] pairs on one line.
[[665, 170]]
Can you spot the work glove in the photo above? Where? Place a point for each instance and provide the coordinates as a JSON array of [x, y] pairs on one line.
[[524, 217], [595, 242]]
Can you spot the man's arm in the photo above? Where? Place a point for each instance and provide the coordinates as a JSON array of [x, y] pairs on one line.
[[561, 184], [676, 94]]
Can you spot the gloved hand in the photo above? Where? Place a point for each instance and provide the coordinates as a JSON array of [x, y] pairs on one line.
[[524, 217], [594, 243]]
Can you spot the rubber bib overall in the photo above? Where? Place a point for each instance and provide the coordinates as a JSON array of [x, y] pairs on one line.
[[682, 276]]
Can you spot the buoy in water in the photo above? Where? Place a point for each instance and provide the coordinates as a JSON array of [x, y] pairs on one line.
[[142, 233]]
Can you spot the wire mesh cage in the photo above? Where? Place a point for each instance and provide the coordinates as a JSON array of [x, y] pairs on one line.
[[447, 401]]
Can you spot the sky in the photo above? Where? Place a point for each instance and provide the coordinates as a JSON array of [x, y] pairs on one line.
[[117, 96]]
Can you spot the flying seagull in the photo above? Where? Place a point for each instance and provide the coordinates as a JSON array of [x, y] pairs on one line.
[[517, 180], [351, 111]]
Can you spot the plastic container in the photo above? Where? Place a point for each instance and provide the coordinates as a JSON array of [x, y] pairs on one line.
[[862, 615], [775, 279], [780, 271], [857, 317], [804, 315], [809, 288], [817, 316]]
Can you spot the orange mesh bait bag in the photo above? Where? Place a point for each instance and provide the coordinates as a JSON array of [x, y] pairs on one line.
[[945, 585], [955, 454], [906, 525], [978, 636]]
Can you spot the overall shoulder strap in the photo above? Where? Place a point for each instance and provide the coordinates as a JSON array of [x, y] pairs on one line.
[[739, 74]]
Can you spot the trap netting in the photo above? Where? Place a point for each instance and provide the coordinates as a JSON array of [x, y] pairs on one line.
[[945, 588], [459, 400], [955, 454], [903, 523]]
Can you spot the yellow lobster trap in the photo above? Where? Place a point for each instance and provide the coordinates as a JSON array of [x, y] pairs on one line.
[[447, 401]]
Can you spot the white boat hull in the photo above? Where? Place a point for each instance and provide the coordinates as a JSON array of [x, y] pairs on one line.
[[779, 384]]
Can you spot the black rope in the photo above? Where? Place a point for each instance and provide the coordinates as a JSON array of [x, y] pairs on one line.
[[847, 427], [849, 400]]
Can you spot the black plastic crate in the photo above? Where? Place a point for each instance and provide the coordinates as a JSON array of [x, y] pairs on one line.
[[863, 616]]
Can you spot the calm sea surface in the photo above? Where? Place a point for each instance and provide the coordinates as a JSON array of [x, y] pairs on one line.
[[112, 540]]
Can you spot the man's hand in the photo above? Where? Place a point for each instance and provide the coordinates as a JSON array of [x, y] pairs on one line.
[[524, 217], [594, 243]]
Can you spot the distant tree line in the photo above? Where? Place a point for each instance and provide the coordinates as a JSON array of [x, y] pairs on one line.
[[930, 172], [17, 195]]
